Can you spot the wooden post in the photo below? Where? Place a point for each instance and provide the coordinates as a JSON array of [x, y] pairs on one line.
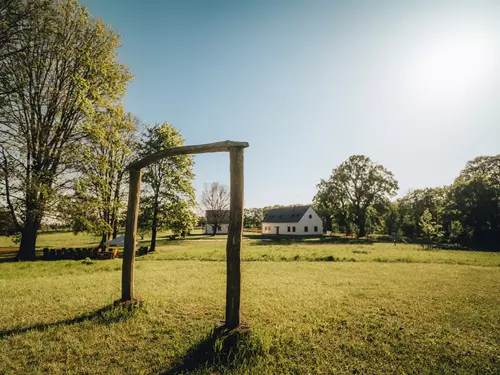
[[233, 247], [131, 235]]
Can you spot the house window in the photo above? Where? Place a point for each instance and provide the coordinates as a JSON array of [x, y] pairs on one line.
[[293, 229], [315, 228], [288, 229], [310, 216], [219, 227], [306, 229]]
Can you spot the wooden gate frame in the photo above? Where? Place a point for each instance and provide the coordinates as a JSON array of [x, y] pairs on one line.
[[233, 246]]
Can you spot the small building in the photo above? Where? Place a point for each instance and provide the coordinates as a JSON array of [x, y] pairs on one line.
[[219, 218], [292, 221]]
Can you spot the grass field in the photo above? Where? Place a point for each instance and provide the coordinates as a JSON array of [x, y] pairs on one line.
[[311, 307]]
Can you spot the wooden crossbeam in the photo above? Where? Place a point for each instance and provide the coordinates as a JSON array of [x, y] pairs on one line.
[[195, 149]]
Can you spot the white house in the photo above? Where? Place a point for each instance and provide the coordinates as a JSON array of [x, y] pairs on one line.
[[219, 218], [292, 221]]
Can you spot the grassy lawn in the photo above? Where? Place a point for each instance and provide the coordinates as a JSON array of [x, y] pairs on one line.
[[212, 248], [396, 309], [314, 250], [57, 239], [68, 239]]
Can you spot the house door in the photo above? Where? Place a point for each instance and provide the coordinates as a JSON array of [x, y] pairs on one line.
[[278, 230]]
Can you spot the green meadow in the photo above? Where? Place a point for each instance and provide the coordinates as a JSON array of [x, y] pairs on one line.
[[308, 307]]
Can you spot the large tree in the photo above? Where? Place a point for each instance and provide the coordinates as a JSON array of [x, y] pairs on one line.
[[66, 70], [100, 160], [355, 188], [333, 206], [168, 194], [474, 199], [484, 166], [215, 200]]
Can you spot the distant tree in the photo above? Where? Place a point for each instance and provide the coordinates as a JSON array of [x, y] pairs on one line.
[[456, 230], [392, 219], [475, 203], [331, 204], [61, 70], [431, 230], [484, 166], [357, 184], [180, 218], [252, 217], [168, 194], [412, 205], [201, 221], [100, 159], [215, 198]]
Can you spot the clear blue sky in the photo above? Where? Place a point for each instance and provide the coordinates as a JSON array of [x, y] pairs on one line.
[[414, 85]]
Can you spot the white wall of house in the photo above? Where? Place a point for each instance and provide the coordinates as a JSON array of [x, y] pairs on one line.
[[304, 227], [223, 229]]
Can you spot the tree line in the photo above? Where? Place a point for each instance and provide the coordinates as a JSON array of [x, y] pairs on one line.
[[65, 136], [356, 199]]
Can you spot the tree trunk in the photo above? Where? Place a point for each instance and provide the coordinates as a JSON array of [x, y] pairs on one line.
[[328, 223], [362, 226], [116, 202], [115, 229], [154, 225], [361, 222], [214, 230], [362, 230], [104, 239], [28, 239], [153, 233]]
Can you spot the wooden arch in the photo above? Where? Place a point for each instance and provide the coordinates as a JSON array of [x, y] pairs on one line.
[[233, 246]]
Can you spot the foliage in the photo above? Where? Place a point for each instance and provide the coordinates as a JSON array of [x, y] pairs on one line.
[[486, 166], [431, 230], [58, 70], [101, 160], [475, 203], [252, 217], [168, 193], [181, 218], [412, 206], [7, 226], [355, 187]]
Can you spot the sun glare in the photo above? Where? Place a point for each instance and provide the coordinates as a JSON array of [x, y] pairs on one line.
[[451, 66]]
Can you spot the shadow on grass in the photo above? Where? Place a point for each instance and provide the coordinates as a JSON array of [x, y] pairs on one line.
[[107, 315], [220, 351]]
